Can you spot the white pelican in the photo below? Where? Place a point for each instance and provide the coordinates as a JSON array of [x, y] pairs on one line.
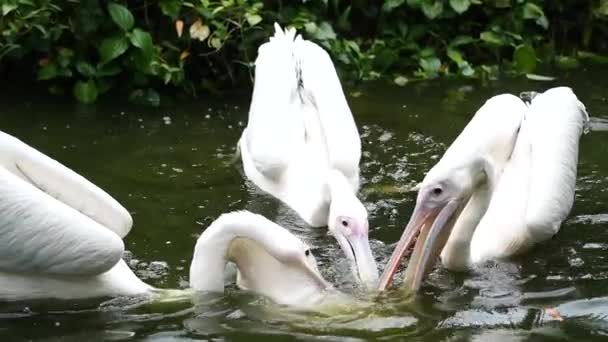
[[302, 146], [506, 183], [61, 237]]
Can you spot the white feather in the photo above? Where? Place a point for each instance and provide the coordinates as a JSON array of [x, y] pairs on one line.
[[530, 175], [63, 184], [300, 127], [60, 235], [556, 119]]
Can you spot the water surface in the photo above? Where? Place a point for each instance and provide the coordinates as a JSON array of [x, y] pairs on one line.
[[173, 168]]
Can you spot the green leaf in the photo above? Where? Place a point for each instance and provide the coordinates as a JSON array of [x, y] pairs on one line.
[[170, 8], [543, 22], [432, 8], [455, 56], [489, 72], [121, 16], [592, 57], [41, 29], [390, 5], [353, 45], [430, 64], [86, 69], [401, 80], [47, 72], [602, 9], [460, 6], [466, 70], [533, 11], [216, 43], [492, 38], [536, 77], [524, 58], [310, 27], [111, 48], [142, 40], [85, 92], [343, 21], [325, 32], [462, 40], [566, 62], [427, 52], [8, 8], [253, 19]]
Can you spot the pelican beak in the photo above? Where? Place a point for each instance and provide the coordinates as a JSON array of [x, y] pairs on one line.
[[318, 278], [357, 249], [429, 229]]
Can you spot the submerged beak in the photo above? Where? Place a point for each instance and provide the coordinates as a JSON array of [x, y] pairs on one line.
[[357, 249], [429, 229], [317, 277]]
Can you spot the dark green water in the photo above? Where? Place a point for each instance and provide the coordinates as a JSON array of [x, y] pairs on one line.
[[177, 175]]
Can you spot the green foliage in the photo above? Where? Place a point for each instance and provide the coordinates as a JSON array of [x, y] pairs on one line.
[[121, 16], [85, 92], [89, 47]]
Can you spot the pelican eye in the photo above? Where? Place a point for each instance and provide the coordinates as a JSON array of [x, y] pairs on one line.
[[437, 191], [345, 223], [307, 252]]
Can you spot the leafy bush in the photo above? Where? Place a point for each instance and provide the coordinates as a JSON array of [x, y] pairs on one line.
[[89, 47]]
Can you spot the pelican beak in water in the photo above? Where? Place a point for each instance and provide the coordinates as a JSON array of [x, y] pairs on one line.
[[349, 225], [353, 239], [428, 231]]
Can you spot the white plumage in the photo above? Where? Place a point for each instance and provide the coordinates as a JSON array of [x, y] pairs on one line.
[[270, 260], [301, 143], [61, 237], [536, 189], [506, 183]]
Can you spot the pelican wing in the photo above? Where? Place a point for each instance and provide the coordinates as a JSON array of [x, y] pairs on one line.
[[39, 234], [502, 230], [536, 189], [275, 123], [556, 119], [63, 184], [320, 82]]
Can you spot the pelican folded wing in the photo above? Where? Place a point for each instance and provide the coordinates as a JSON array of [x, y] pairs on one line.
[[39, 234]]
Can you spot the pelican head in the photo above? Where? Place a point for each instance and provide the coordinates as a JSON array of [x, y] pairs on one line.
[[472, 162], [270, 260], [347, 222], [441, 198]]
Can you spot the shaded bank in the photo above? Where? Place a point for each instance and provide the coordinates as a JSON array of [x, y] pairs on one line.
[[88, 48]]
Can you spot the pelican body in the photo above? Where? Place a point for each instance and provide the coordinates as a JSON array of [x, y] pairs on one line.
[[506, 183], [61, 237], [301, 143]]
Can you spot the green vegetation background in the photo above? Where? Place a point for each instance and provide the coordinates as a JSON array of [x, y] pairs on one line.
[[91, 47]]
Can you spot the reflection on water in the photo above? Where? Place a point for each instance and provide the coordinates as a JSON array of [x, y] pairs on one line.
[[174, 168]]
